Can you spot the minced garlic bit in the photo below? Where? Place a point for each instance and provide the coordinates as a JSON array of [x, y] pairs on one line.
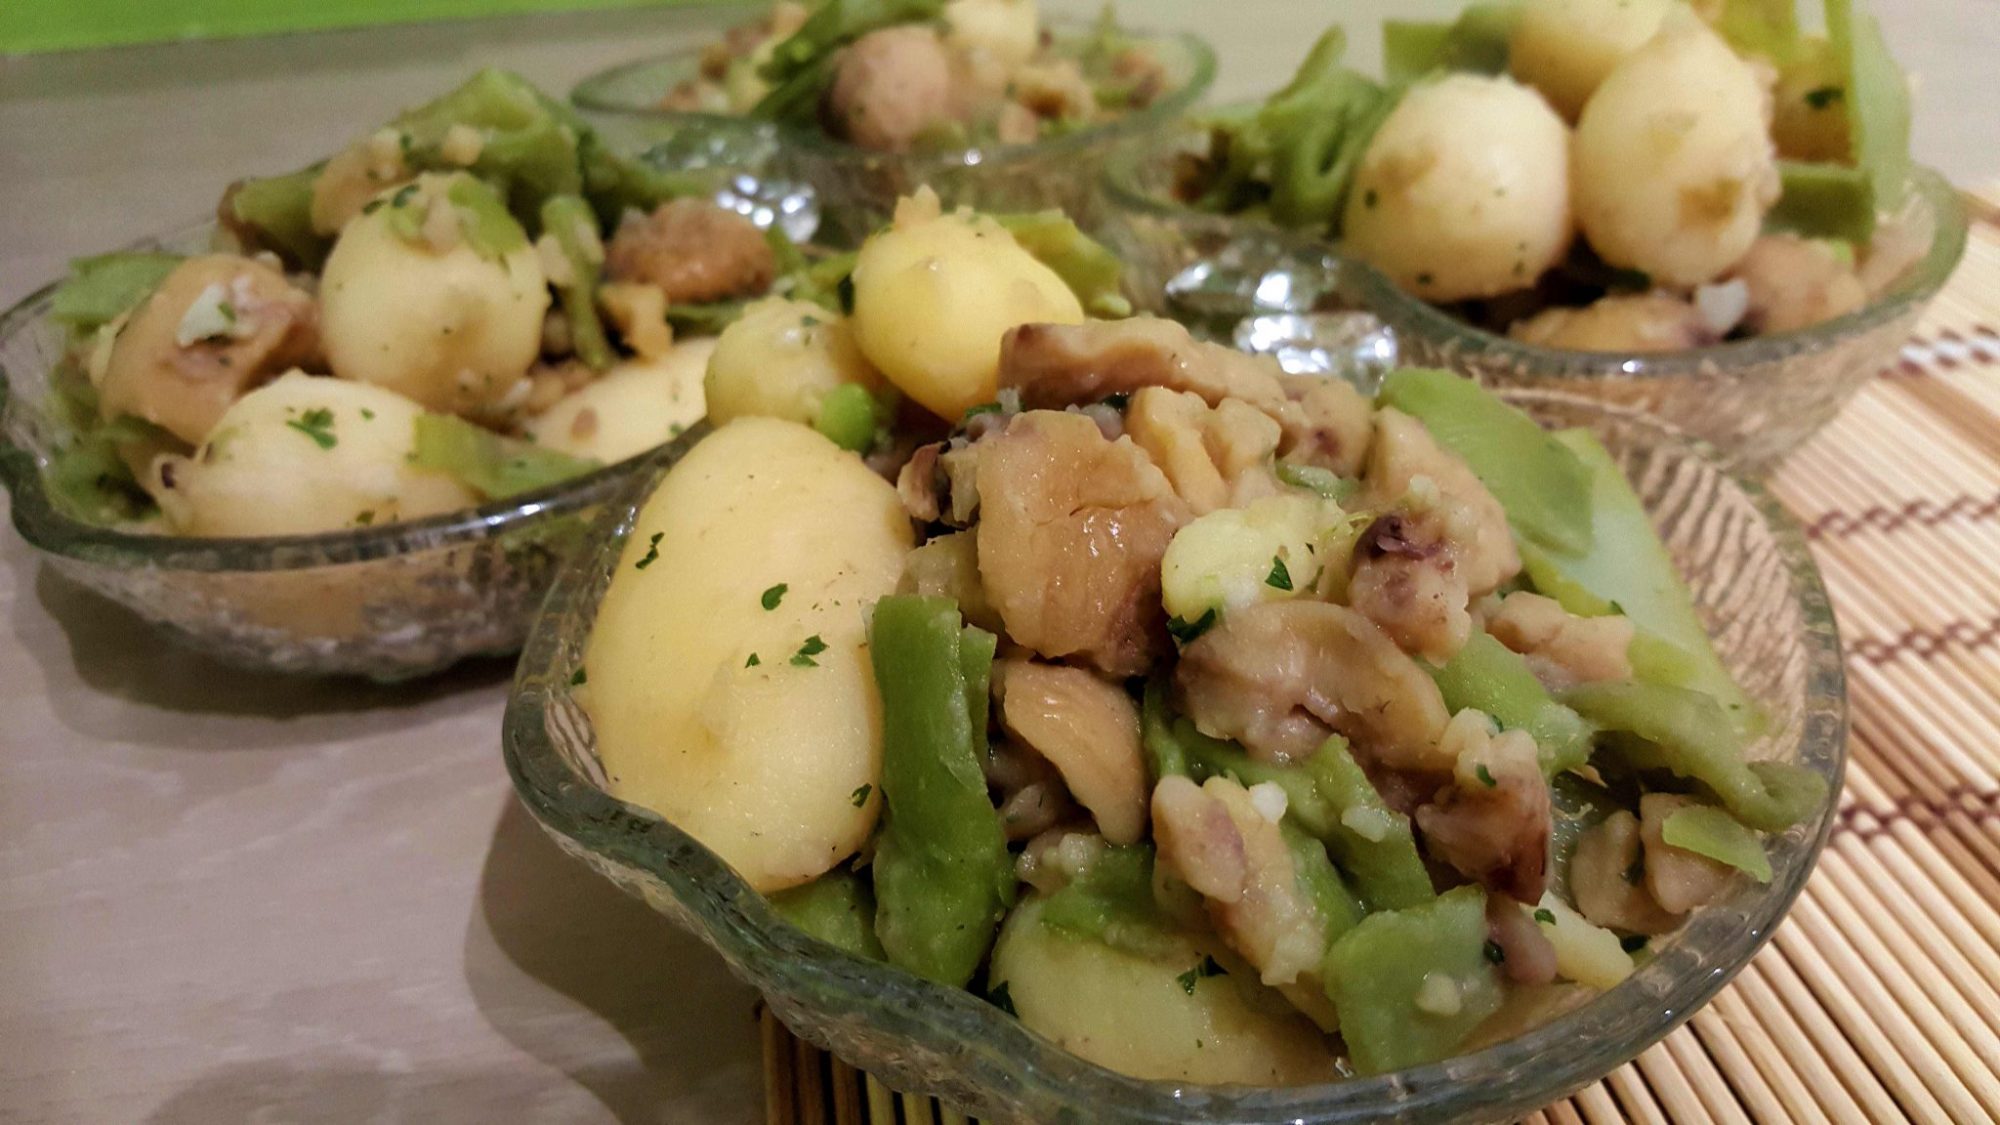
[[385, 152], [211, 315], [515, 396], [921, 206], [1439, 995], [442, 229], [1074, 854], [462, 145], [1424, 492], [1268, 798], [1371, 825]]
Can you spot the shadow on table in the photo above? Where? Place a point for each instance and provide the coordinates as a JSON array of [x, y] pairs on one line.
[[688, 1022], [113, 652], [327, 1093]]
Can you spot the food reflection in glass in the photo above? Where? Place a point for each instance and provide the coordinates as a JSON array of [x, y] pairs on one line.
[[922, 75]]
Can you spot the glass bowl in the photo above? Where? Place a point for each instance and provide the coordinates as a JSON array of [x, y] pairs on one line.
[[1754, 400], [1755, 584], [388, 603], [858, 187]]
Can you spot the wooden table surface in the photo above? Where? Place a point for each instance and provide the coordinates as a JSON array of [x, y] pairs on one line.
[[227, 897]]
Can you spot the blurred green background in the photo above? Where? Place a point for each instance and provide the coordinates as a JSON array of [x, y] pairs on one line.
[[61, 25]]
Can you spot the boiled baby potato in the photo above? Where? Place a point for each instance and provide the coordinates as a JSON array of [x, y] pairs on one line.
[[636, 406], [1464, 191], [934, 294], [1135, 1014], [728, 674], [305, 454], [436, 294], [780, 359], [1564, 48], [1236, 557], [1673, 164]]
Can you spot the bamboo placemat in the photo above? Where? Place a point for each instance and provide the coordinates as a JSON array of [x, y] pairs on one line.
[[1879, 998]]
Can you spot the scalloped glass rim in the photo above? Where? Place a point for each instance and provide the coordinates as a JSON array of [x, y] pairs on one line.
[[590, 95], [1563, 1055], [45, 526], [1412, 315]]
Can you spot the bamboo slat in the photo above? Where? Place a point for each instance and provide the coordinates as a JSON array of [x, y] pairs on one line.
[[1879, 999]]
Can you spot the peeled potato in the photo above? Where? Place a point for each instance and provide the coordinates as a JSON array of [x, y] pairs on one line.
[[1135, 1015], [636, 406], [1564, 48], [729, 718], [1464, 191], [432, 317], [1231, 558], [1673, 165], [779, 360], [305, 454], [934, 294], [1008, 31]]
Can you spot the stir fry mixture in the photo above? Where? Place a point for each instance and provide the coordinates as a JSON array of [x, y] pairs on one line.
[[925, 75], [474, 301], [1597, 175], [1221, 725]]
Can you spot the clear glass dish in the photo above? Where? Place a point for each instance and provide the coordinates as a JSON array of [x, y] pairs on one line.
[[1755, 584], [388, 603], [1754, 400], [858, 187]]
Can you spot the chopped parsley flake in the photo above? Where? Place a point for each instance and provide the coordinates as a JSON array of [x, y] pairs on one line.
[[1545, 916], [363, 519], [1280, 577], [753, 661], [652, 551], [999, 999], [860, 796], [774, 595], [1186, 631], [1207, 968], [316, 424], [1494, 953], [1824, 96], [983, 408], [1485, 776], [579, 678], [813, 647], [227, 310], [1633, 943], [367, 415]]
